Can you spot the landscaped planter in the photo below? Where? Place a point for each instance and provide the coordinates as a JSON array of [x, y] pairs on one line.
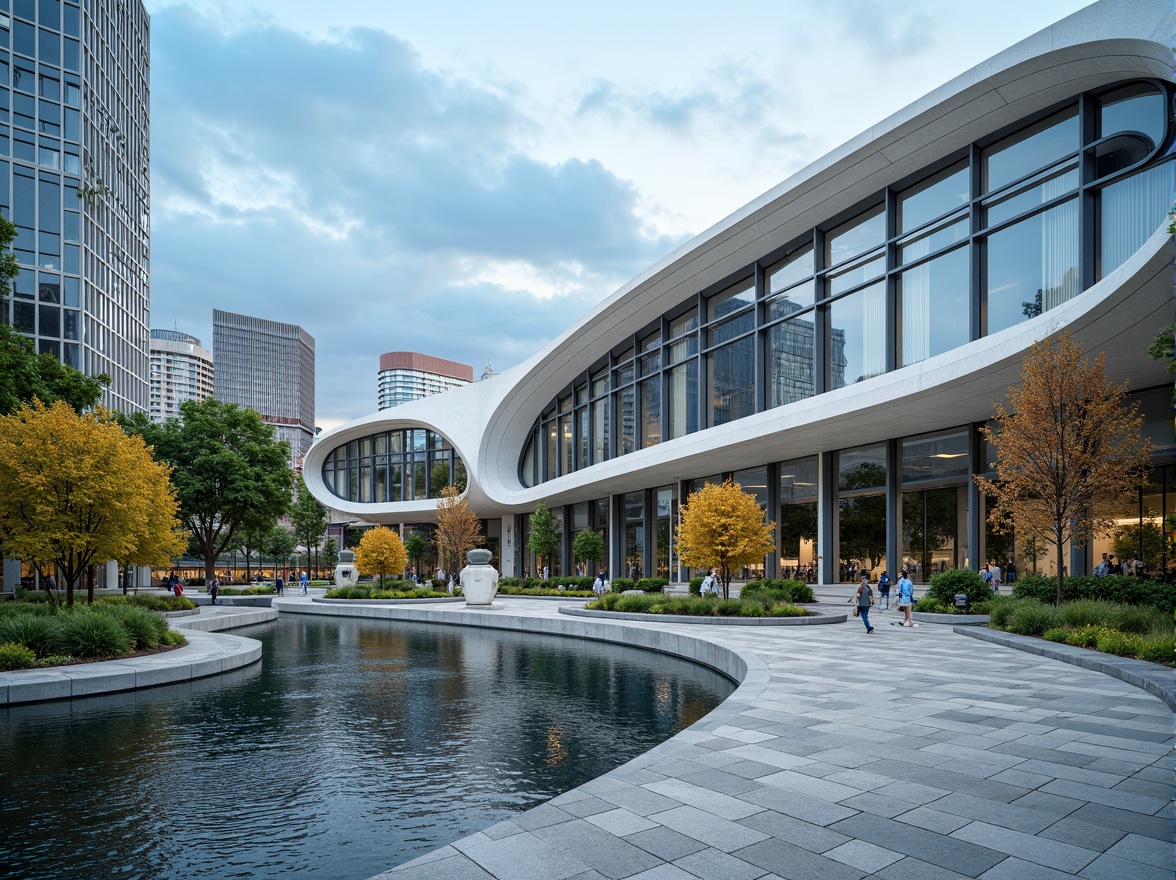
[[386, 601]]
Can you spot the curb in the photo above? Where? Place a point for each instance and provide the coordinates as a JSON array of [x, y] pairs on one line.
[[1154, 679], [816, 619], [950, 619]]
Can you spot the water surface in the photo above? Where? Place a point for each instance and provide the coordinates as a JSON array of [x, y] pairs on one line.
[[352, 747]]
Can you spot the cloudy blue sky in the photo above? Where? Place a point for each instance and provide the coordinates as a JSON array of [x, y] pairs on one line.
[[466, 178]]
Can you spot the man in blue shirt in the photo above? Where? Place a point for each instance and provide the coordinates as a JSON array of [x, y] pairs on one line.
[[906, 597]]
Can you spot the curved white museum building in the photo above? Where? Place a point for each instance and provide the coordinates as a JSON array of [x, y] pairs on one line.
[[836, 344]]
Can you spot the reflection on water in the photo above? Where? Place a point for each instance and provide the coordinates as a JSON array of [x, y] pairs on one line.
[[354, 746]]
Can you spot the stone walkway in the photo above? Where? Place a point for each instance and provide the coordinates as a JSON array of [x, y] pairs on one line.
[[904, 754]]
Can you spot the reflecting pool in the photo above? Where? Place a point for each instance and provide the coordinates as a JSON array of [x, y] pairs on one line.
[[352, 747]]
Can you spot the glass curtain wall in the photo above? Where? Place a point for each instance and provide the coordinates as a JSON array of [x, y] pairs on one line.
[[402, 465], [990, 239], [798, 519], [935, 504], [861, 512], [667, 520], [634, 505], [755, 482]]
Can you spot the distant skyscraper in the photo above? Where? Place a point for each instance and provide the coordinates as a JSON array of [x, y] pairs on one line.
[[408, 375], [267, 366], [180, 370], [75, 181]]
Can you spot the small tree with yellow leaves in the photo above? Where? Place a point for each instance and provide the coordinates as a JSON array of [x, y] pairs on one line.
[[75, 491], [380, 551], [1068, 450], [458, 529], [723, 527]]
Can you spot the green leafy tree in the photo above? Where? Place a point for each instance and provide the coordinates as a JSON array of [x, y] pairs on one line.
[[544, 539], [309, 518], [330, 553], [230, 472], [26, 375], [252, 540], [1141, 540], [416, 547], [280, 544], [588, 546]]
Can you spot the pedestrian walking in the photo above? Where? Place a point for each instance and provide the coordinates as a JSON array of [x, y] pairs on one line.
[[864, 597], [303, 584], [214, 589], [906, 597], [884, 590]]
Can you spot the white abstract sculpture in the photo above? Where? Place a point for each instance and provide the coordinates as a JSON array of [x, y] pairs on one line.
[[345, 573], [479, 581]]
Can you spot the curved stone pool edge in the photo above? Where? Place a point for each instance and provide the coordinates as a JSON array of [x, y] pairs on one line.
[[208, 652]]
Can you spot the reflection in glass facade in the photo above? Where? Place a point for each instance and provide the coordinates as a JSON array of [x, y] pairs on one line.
[[74, 179], [993, 238], [403, 465]]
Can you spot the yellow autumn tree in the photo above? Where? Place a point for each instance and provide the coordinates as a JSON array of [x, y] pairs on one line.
[[723, 527], [1068, 450], [380, 551], [75, 491], [458, 529]]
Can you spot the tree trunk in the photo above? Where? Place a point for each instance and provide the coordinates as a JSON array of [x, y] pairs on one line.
[[1061, 576], [209, 566]]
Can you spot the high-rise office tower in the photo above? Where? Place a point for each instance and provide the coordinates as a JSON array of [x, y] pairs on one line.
[[74, 179], [181, 369], [409, 375], [267, 366]]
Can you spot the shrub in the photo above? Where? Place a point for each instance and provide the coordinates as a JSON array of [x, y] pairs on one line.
[[508, 582], [1033, 618], [89, 635], [150, 601], [1056, 634], [726, 607], [619, 585], [145, 628], [173, 638], [1120, 643], [14, 656], [1000, 611], [982, 607], [37, 597], [652, 585], [632, 604], [1140, 619], [34, 631], [53, 660], [251, 591], [1113, 588], [1085, 636], [23, 609], [1087, 612], [784, 609], [945, 585], [752, 608], [931, 605], [1158, 649], [696, 585], [778, 590]]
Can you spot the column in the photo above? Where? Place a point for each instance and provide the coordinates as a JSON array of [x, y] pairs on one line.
[[826, 518], [11, 575]]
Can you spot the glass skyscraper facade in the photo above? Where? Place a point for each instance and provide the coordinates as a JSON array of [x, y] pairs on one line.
[[74, 179], [267, 366]]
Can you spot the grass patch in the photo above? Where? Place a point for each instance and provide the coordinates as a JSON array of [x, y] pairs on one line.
[[1138, 631]]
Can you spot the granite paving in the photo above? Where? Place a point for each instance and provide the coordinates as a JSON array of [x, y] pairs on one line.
[[907, 754]]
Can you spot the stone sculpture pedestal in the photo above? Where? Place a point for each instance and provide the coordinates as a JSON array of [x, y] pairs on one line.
[[479, 581], [345, 572]]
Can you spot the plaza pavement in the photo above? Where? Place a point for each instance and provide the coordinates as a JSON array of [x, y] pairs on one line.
[[908, 754]]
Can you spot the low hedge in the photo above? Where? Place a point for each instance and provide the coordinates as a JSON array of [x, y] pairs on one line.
[[1112, 588], [695, 606], [150, 601], [696, 585], [366, 592], [651, 585], [539, 591], [619, 585], [250, 591], [778, 590]]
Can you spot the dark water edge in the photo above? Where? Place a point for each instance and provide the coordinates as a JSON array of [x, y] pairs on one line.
[[352, 747]]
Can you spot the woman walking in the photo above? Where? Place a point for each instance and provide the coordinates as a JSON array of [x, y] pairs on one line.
[[865, 598], [906, 597]]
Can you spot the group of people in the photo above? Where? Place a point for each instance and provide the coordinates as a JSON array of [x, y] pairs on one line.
[[806, 574], [864, 597], [994, 575], [280, 582], [1108, 566]]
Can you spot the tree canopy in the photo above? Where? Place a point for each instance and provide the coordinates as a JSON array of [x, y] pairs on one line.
[[723, 527], [588, 546], [1068, 450], [76, 490], [416, 547], [229, 471], [26, 375], [458, 529], [380, 551], [309, 517], [544, 538]]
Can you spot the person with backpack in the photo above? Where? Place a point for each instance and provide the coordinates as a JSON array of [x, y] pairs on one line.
[[600, 585], [214, 589], [906, 597], [864, 598], [884, 590]]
